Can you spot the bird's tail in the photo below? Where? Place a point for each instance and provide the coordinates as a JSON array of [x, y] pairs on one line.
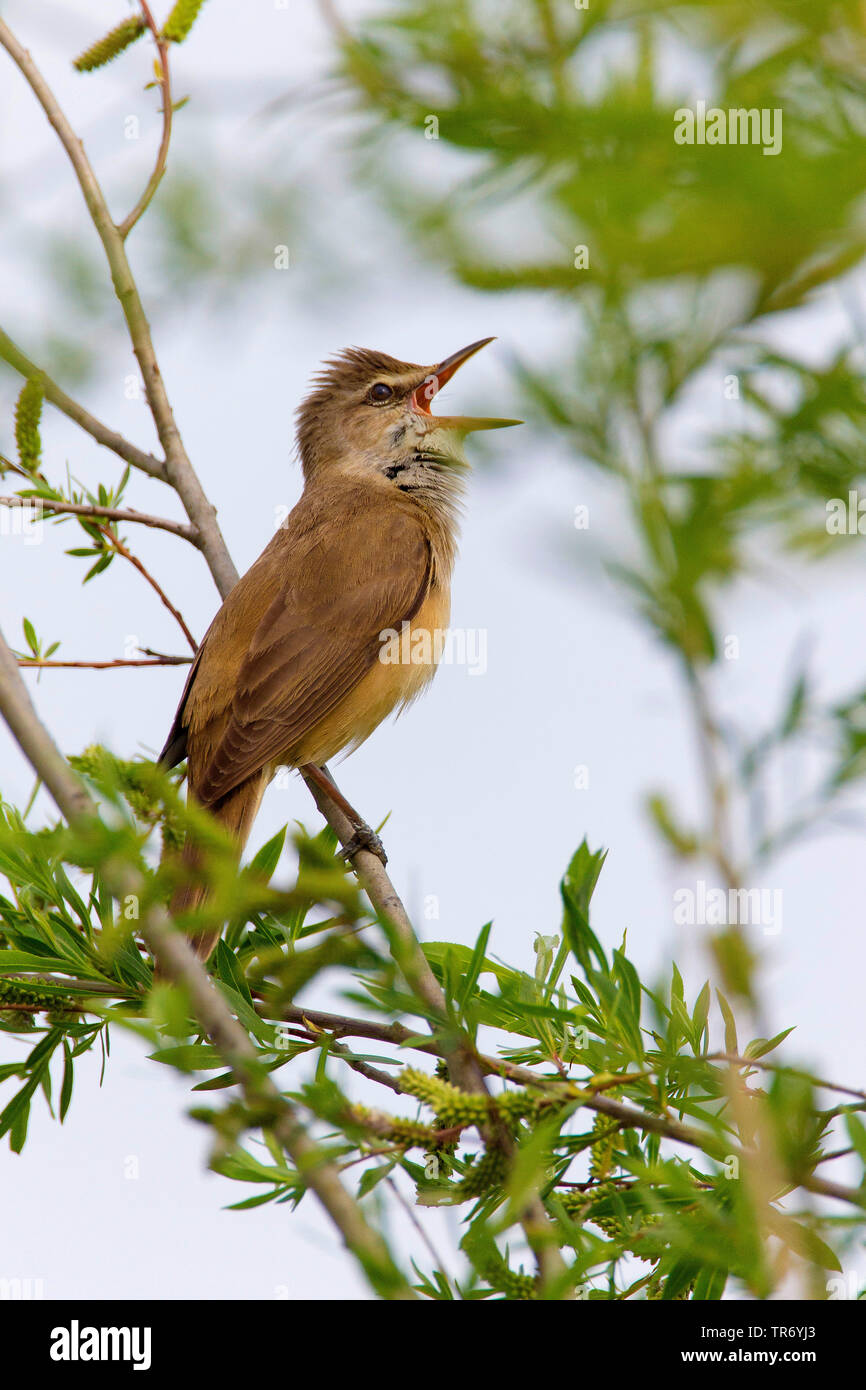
[[236, 812]]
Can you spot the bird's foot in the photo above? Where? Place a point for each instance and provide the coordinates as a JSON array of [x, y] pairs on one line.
[[364, 838]]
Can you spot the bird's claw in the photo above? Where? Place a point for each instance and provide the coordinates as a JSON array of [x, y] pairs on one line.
[[364, 838]]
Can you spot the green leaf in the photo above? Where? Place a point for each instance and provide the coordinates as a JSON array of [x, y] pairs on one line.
[[18, 1131], [68, 1077], [18, 1102], [437, 951], [371, 1177], [101, 564], [476, 964], [857, 1134], [577, 888], [710, 1285], [230, 972], [189, 1057], [267, 858], [258, 1201], [730, 1025], [759, 1047], [702, 1009], [681, 1276]]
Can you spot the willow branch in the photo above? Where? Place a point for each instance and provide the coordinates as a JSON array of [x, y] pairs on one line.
[[761, 1065], [126, 226], [105, 665], [179, 963], [109, 439], [177, 469], [708, 742], [627, 1116], [127, 514]]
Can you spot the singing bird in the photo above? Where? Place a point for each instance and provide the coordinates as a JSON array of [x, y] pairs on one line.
[[290, 671]]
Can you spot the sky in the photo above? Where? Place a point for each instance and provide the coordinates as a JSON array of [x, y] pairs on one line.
[[479, 777]]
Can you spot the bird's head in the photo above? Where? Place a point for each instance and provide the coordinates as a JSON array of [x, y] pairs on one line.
[[370, 414]]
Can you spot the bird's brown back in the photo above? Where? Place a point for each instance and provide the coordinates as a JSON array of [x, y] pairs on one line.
[[301, 630]]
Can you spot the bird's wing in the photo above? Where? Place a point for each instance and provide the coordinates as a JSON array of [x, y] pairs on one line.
[[336, 590]]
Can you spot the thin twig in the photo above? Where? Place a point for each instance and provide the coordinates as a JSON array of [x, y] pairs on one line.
[[109, 439], [126, 226], [105, 665], [720, 847], [177, 469], [438, 1263], [780, 1066], [161, 523]]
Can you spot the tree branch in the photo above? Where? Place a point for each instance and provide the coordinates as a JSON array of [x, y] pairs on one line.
[[177, 468], [179, 963], [106, 665], [464, 1065], [159, 523], [110, 439], [627, 1116], [126, 226]]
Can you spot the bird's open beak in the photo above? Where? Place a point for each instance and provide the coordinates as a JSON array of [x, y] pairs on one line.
[[437, 378]]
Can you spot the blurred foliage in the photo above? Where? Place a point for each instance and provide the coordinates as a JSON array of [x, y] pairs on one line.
[[529, 149], [637, 1216]]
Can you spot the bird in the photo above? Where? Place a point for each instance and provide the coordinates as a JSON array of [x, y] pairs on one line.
[[291, 671]]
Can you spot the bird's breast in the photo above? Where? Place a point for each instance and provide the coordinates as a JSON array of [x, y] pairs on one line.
[[407, 661]]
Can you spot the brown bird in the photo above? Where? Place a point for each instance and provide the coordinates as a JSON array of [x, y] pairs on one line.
[[289, 672]]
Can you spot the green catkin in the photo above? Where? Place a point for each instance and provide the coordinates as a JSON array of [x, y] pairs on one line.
[[22, 991], [28, 413], [578, 1205], [102, 52], [489, 1170], [16, 989], [455, 1107], [394, 1128], [181, 20], [519, 1105], [137, 783], [603, 1148], [517, 1286]]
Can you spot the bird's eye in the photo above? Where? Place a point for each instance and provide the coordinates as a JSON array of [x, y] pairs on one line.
[[381, 392]]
